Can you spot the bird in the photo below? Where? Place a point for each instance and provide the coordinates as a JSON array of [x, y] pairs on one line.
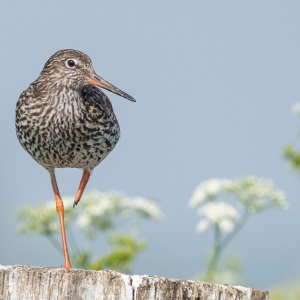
[[64, 120]]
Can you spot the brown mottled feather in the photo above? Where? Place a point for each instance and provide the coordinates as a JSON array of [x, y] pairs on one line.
[[63, 122]]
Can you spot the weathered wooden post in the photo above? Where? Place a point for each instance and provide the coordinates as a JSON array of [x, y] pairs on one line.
[[24, 283]]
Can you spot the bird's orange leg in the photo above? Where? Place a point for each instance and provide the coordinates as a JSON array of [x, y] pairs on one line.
[[60, 211], [84, 180]]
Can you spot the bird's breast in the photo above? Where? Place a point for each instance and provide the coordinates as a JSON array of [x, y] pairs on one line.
[[63, 131]]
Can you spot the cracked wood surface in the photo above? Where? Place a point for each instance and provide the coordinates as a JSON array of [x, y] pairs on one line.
[[24, 282]]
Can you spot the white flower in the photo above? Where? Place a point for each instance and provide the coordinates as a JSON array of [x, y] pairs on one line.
[[96, 205], [103, 209], [147, 207], [208, 189], [226, 224], [83, 220], [68, 202], [202, 225], [220, 213], [257, 193]]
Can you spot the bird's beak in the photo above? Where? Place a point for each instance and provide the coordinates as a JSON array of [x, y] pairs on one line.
[[94, 79]]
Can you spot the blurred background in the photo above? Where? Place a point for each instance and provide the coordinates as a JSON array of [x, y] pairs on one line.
[[214, 81]]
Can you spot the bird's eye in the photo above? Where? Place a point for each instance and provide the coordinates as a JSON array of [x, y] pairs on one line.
[[71, 63]]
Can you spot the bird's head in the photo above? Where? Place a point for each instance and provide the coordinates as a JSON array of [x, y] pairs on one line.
[[74, 69]]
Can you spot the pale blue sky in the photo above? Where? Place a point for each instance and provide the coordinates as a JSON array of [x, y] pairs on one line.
[[214, 83]]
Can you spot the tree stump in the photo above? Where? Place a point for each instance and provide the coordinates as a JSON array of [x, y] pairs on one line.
[[24, 283]]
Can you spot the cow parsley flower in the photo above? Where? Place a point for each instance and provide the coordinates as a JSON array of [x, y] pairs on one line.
[[257, 194], [220, 213], [207, 190]]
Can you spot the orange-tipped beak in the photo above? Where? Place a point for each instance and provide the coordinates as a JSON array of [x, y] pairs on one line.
[[98, 81]]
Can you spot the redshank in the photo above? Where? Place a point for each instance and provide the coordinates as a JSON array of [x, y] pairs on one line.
[[63, 120]]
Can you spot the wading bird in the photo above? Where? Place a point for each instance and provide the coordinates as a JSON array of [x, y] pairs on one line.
[[63, 120]]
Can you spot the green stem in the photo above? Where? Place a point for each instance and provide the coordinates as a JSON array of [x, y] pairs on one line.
[[54, 242], [237, 228], [219, 246], [213, 261]]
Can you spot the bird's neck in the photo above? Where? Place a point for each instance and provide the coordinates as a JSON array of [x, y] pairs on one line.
[[54, 81]]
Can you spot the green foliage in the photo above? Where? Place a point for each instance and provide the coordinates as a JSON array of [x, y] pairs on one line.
[[287, 291], [43, 219], [82, 259], [229, 270], [292, 156], [123, 251], [290, 153], [98, 213]]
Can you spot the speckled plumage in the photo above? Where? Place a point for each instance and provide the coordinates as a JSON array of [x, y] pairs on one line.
[[63, 122], [67, 130]]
